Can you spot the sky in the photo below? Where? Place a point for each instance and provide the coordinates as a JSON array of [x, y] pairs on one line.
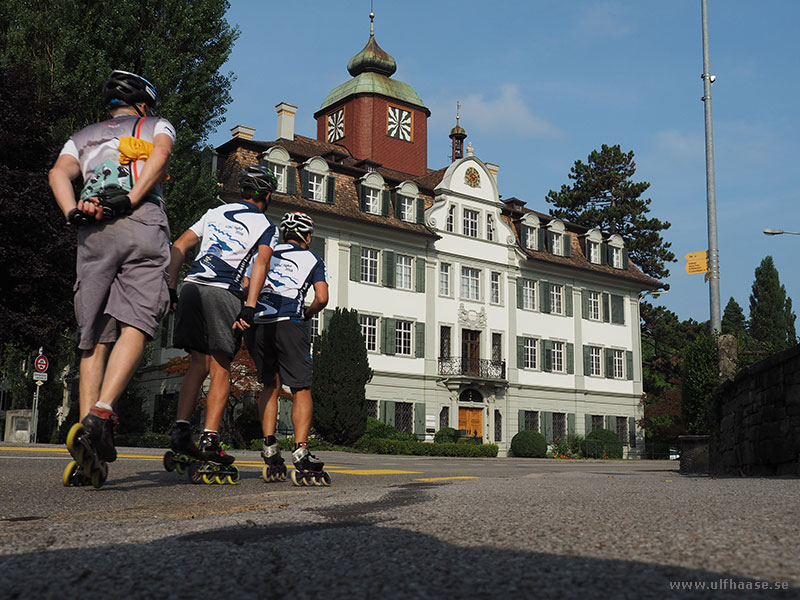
[[543, 83]]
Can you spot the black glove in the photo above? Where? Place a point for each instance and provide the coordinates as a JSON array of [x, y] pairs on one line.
[[173, 296], [248, 315], [115, 206], [77, 218]]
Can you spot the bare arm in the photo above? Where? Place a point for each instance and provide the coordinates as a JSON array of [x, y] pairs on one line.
[[257, 277], [61, 175], [320, 299], [182, 245]]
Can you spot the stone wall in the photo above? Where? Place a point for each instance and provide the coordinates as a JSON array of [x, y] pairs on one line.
[[755, 419]]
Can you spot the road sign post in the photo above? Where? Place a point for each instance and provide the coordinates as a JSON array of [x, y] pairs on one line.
[[41, 365]]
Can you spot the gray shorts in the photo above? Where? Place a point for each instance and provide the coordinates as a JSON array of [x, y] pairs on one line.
[[205, 318], [122, 279], [281, 348]]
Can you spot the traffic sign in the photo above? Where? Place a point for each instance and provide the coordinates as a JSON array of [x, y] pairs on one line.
[[40, 377], [693, 267], [41, 363]]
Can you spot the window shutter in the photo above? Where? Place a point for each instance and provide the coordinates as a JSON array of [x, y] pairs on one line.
[[547, 347], [520, 420], [388, 268], [544, 296], [584, 304], [304, 184], [570, 423], [362, 197], [419, 339], [390, 412], [570, 358], [382, 413], [550, 236], [632, 431], [540, 235], [610, 424], [355, 262], [291, 180], [520, 352], [386, 202], [421, 211], [398, 200], [331, 189], [587, 360], [606, 308], [419, 420], [629, 364], [547, 426], [603, 253], [609, 363], [568, 300], [420, 274], [617, 309], [388, 335], [317, 246], [567, 245], [587, 424], [520, 302], [625, 261]]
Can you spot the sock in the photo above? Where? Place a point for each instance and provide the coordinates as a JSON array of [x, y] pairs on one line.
[[104, 405], [270, 440], [211, 431], [181, 422]]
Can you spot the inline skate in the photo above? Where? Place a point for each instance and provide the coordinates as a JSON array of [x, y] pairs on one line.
[[91, 444], [275, 467], [183, 450], [214, 464], [308, 468]]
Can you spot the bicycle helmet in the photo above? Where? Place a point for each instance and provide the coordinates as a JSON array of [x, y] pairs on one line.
[[297, 222], [258, 179], [128, 89]]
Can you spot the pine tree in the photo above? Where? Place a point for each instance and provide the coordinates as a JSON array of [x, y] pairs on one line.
[[341, 373], [604, 196], [771, 316], [733, 321]]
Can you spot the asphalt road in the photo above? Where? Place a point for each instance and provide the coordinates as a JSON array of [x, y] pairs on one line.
[[396, 527]]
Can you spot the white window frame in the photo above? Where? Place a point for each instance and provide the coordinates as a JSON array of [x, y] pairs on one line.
[[316, 187], [558, 244], [616, 257], [280, 174], [490, 228], [556, 299], [450, 223], [407, 209], [618, 359], [595, 361], [557, 357], [470, 283], [594, 306], [531, 241], [495, 295], [469, 222], [445, 279], [369, 329], [402, 338], [370, 265], [278, 159], [403, 271], [530, 353], [594, 252], [372, 200], [529, 294]]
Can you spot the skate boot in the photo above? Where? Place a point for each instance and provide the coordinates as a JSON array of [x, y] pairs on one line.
[[275, 467], [214, 465], [91, 444], [308, 468], [183, 451]]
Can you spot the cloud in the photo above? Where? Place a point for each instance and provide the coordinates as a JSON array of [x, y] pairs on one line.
[[681, 146], [605, 19]]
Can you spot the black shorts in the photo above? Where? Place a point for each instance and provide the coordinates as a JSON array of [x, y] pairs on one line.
[[204, 320], [281, 348]]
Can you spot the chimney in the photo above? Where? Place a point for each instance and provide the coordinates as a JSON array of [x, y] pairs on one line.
[[243, 132], [493, 169], [286, 114]]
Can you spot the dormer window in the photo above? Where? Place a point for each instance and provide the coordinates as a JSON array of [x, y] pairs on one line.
[[530, 232], [316, 183], [557, 244], [372, 200], [593, 251], [277, 160], [409, 207], [372, 196], [316, 187], [558, 241], [406, 208], [617, 255]]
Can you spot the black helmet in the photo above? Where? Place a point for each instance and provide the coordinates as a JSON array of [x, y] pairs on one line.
[[128, 89], [258, 179], [297, 222]]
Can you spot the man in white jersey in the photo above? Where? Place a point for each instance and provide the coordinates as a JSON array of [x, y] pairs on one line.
[[280, 345], [230, 237], [123, 250]]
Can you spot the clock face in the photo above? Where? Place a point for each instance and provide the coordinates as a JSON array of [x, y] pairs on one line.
[[399, 124], [336, 125]]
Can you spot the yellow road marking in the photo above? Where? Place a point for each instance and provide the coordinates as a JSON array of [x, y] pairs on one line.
[[446, 478]]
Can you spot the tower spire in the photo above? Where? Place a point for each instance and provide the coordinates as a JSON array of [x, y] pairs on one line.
[[457, 134]]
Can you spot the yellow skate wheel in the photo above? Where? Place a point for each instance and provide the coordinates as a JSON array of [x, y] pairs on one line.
[[99, 475], [210, 476], [233, 478], [73, 444], [179, 468], [69, 472]]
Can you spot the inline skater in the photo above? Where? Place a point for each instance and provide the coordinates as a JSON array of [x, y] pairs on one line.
[[229, 236], [123, 251], [280, 345]]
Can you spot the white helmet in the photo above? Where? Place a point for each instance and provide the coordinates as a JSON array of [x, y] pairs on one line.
[[297, 222]]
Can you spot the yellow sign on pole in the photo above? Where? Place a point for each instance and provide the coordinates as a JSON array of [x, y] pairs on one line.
[[696, 262]]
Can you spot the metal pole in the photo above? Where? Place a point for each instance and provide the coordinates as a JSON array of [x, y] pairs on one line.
[[35, 415], [711, 194]]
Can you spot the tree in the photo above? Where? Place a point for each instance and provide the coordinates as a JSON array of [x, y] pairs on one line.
[[771, 316], [604, 196], [700, 377], [733, 321], [341, 373]]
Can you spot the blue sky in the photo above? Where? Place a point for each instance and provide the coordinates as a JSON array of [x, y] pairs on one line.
[[542, 84]]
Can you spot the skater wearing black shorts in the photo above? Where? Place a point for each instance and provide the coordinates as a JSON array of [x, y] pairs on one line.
[[230, 238], [279, 343], [123, 252]]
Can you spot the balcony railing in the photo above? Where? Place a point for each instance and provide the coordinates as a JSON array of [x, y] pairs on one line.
[[472, 367]]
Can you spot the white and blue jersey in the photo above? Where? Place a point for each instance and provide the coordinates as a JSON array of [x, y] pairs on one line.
[[292, 270], [230, 236]]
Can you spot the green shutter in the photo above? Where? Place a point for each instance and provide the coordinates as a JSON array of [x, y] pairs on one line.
[[388, 333], [520, 284], [520, 420], [291, 180], [544, 296], [304, 183], [540, 235], [355, 262], [420, 275], [587, 360], [331, 189], [388, 268], [570, 358], [617, 309], [317, 246], [386, 202], [419, 420], [362, 197], [585, 304], [567, 245], [606, 308], [587, 424], [547, 350], [568, 300], [625, 260], [382, 411], [609, 363], [420, 210], [632, 431], [611, 423], [520, 352], [390, 412], [549, 241], [570, 423], [629, 364], [419, 339], [547, 426], [398, 200], [603, 253]]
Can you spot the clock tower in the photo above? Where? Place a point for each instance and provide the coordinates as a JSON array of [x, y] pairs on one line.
[[376, 117]]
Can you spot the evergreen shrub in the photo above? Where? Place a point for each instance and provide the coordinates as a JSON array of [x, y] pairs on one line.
[[602, 443], [529, 444], [445, 434]]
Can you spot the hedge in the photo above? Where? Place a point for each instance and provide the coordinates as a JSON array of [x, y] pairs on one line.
[[602, 443], [382, 446]]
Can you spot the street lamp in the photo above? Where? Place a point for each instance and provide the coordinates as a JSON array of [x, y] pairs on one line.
[[779, 231]]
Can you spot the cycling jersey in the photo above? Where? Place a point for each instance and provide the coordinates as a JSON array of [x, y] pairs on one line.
[[230, 236], [292, 270]]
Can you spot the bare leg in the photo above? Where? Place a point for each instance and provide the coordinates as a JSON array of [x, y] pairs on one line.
[[268, 407], [122, 363], [301, 414], [192, 382], [218, 390], [92, 369]]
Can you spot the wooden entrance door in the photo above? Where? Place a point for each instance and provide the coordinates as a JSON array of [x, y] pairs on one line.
[[470, 351], [471, 421]]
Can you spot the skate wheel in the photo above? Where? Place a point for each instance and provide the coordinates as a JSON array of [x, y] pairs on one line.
[[99, 475], [324, 479], [169, 461], [294, 477], [282, 474], [180, 469], [233, 478], [74, 445], [265, 474], [69, 473], [208, 478], [194, 473]]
